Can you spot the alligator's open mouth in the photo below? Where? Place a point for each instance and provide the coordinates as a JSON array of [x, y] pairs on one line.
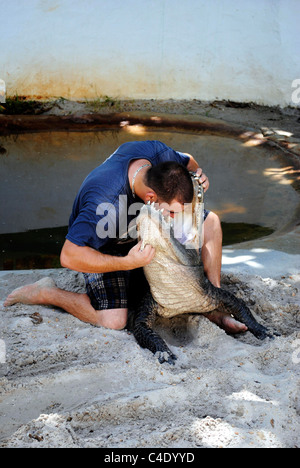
[[153, 227], [168, 235]]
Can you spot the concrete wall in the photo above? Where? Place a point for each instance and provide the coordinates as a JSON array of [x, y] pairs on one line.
[[244, 50]]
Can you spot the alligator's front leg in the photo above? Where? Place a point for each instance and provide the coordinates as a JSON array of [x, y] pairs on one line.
[[145, 336], [230, 304]]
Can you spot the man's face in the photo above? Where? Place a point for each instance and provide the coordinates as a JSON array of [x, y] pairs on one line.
[[183, 219], [170, 209]]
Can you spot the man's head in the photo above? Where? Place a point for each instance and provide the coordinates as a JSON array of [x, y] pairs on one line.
[[171, 183]]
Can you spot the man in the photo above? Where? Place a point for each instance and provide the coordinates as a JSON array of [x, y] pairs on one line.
[[137, 171]]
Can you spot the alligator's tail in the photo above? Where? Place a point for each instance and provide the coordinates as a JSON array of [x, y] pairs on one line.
[[230, 304]]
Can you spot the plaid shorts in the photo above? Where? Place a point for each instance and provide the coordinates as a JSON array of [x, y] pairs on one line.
[[107, 290], [116, 290]]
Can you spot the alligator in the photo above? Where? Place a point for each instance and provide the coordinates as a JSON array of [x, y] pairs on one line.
[[177, 281]]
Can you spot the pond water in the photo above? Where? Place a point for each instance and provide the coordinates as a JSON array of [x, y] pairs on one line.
[[41, 173]]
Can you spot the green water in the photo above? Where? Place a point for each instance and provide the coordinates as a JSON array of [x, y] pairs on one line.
[[40, 248], [41, 173]]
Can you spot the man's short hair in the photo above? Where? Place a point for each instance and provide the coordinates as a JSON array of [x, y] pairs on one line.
[[170, 180]]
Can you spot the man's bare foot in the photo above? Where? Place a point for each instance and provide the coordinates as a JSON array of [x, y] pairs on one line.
[[226, 322], [30, 294]]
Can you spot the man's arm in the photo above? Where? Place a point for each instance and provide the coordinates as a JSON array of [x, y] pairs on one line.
[[88, 260], [194, 167]]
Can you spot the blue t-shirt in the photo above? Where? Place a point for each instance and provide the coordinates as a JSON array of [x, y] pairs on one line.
[[101, 207]]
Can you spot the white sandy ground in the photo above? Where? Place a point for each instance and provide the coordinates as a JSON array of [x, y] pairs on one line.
[[69, 384]]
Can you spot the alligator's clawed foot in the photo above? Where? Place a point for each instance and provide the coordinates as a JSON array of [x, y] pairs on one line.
[[166, 356], [261, 333]]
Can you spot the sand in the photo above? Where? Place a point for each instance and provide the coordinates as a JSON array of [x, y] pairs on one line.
[[69, 384], [64, 383]]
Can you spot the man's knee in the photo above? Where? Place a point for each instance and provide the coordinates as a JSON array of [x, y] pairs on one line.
[[119, 324], [115, 319], [212, 226], [213, 219]]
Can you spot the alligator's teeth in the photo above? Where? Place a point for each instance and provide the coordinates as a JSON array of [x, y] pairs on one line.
[[152, 204], [148, 203]]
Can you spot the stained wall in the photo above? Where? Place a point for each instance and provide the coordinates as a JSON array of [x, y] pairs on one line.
[[243, 50]]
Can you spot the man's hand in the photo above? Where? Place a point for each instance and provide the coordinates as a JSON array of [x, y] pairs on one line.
[[203, 179], [194, 167], [138, 258]]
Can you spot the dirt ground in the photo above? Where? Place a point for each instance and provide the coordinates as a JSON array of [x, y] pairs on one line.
[[247, 114], [64, 383], [68, 384]]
